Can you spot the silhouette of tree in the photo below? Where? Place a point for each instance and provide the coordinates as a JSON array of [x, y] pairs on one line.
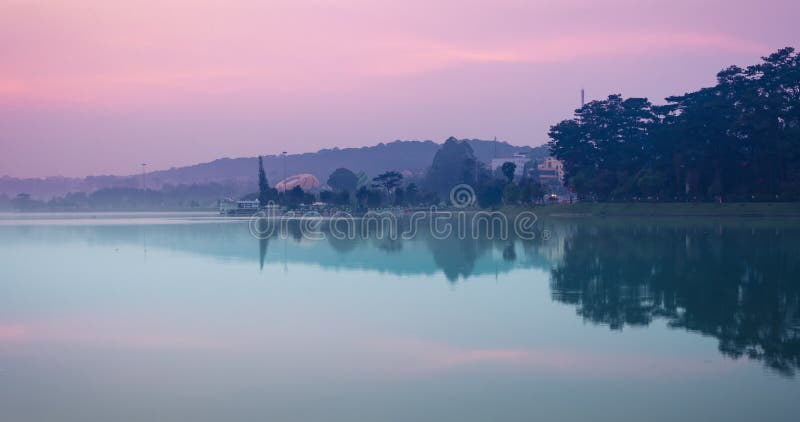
[[264, 193], [453, 164], [388, 181], [508, 169], [343, 179], [736, 140]]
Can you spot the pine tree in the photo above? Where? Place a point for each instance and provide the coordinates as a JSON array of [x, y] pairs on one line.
[[263, 185]]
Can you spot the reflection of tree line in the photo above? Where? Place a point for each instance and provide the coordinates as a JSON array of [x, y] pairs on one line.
[[735, 283], [739, 285], [233, 241], [454, 256]]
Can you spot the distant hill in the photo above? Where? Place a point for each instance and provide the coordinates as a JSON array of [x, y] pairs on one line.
[[413, 156]]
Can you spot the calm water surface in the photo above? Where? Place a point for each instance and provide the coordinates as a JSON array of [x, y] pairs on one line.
[[174, 318]]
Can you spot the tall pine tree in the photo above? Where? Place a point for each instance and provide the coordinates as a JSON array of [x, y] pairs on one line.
[[263, 185]]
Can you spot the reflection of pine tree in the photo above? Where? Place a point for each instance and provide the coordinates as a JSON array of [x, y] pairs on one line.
[[734, 284], [457, 257]]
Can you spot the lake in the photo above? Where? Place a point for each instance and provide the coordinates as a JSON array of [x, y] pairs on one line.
[[171, 317]]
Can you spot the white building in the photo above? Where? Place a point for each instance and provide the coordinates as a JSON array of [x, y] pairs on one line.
[[519, 160], [551, 170]]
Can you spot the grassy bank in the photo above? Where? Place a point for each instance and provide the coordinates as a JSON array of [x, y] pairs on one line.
[[682, 209]]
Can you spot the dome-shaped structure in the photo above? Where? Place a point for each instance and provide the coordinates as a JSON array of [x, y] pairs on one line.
[[306, 181]]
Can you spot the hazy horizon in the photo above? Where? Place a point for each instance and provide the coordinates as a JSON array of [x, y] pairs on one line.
[[94, 88], [138, 170]]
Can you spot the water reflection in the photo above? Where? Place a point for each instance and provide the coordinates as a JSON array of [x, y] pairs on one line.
[[735, 281], [262, 247]]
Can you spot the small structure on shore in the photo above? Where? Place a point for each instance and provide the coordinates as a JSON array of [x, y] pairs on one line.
[[229, 206]]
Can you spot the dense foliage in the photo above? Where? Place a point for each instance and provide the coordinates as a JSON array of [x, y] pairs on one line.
[[453, 164], [738, 140], [343, 179]]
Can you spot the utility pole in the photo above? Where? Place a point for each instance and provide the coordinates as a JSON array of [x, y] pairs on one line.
[[583, 97], [284, 171], [476, 171], [144, 176], [494, 156]]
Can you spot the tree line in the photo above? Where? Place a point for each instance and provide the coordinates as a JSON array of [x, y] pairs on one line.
[[738, 140], [453, 164], [348, 189]]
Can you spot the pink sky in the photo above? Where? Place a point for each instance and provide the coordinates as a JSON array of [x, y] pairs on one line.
[[96, 86]]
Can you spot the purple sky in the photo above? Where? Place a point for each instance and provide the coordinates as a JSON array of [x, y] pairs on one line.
[[98, 87]]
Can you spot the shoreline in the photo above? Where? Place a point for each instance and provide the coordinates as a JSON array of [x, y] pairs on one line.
[[783, 210]]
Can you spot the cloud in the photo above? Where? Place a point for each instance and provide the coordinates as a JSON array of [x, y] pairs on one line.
[[141, 81], [135, 77], [12, 333], [426, 55]]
